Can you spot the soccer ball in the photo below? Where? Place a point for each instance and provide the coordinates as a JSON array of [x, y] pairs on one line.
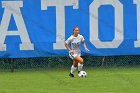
[[82, 74]]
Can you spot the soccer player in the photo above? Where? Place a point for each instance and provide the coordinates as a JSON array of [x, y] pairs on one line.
[[74, 52]]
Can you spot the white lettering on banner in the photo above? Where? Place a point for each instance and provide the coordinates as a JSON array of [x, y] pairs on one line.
[[137, 43], [118, 39], [13, 8], [60, 18]]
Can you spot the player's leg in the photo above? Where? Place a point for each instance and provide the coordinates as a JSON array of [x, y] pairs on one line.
[[73, 68], [80, 63]]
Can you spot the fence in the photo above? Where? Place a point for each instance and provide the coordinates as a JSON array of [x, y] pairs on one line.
[[66, 62]]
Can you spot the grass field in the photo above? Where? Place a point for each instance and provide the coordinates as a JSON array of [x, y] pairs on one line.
[[99, 80]]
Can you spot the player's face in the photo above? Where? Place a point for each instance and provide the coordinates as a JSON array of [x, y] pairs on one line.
[[76, 31]]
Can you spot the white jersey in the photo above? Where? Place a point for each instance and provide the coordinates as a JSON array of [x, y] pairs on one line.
[[75, 42]]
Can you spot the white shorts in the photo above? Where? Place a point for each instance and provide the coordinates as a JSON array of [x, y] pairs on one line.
[[74, 55]]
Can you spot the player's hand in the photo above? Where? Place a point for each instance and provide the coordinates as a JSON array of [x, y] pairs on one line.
[[86, 49], [71, 51]]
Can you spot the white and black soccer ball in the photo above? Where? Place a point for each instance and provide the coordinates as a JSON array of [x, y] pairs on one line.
[[82, 74]]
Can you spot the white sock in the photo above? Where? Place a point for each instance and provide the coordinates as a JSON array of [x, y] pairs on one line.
[[73, 69], [80, 67]]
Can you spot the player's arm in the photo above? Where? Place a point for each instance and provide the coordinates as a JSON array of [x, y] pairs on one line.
[[66, 45], [71, 51], [84, 45]]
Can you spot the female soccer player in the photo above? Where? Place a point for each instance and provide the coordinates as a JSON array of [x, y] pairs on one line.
[[74, 52]]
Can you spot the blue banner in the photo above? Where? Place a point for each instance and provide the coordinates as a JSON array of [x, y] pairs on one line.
[[39, 28]]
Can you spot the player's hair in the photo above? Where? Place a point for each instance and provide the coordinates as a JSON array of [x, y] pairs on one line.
[[74, 29]]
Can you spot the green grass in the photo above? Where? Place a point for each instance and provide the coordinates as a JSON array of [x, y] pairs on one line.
[[99, 80]]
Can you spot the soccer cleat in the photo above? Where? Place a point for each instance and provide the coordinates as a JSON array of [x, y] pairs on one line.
[[71, 75], [78, 72]]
